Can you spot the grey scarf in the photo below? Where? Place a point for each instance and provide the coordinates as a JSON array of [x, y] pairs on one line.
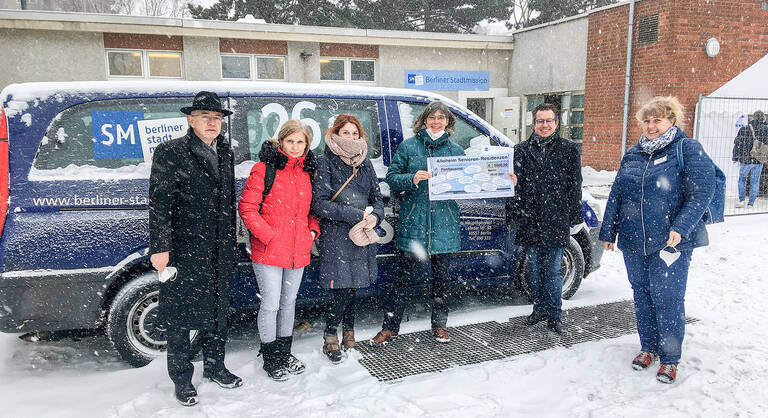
[[649, 146]]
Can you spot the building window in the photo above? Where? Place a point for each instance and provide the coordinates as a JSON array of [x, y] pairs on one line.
[[240, 67], [576, 122], [348, 70], [236, 66], [143, 63], [270, 68]]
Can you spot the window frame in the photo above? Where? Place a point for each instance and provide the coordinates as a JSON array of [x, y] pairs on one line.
[[145, 69], [253, 66], [348, 70]]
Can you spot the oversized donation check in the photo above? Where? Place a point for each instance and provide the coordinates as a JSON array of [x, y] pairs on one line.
[[470, 177]]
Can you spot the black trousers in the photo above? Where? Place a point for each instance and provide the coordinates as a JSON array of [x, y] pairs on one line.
[[181, 352], [397, 292], [342, 309]]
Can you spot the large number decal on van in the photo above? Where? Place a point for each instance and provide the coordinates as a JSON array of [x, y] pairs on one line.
[[281, 113], [114, 132]]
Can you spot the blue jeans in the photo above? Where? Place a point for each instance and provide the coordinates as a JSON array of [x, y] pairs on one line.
[[753, 172], [546, 277], [659, 293]]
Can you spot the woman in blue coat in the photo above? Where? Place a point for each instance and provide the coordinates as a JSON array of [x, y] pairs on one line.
[[655, 208], [427, 231], [345, 187]]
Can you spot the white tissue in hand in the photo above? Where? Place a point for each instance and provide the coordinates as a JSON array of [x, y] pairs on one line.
[[669, 257]]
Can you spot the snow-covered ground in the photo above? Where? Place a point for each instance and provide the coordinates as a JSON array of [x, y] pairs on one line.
[[723, 372]]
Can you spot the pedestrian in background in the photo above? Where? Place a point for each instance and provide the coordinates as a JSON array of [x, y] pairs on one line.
[[749, 166], [655, 208], [546, 204], [428, 231], [345, 193], [282, 231], [192, 228]]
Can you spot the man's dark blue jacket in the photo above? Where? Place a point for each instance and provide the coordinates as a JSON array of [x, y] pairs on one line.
[[651, 195]]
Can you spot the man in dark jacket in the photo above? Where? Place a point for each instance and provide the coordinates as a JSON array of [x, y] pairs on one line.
[[749, 167], [547, 203], [192, 228]]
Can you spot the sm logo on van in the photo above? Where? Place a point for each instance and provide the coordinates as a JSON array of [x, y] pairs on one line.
[[115, 134]]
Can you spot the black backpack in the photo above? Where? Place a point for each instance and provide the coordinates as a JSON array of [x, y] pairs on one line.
[[269, 179]]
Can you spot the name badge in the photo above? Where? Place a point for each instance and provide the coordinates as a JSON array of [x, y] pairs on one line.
[[660, 160]]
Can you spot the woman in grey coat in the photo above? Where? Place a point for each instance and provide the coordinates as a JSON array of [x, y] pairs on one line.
[[346, 184]]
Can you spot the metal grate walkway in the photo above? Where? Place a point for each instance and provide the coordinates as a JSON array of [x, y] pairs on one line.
[[418, 352]]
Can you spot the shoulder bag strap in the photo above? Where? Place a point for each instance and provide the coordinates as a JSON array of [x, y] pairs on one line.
[[354, 173]]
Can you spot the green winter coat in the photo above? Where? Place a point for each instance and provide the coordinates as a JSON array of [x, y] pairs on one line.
[[434, 226]]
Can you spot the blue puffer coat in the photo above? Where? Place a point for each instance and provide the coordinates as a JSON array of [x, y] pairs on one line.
[[651, 195], [435, 226]]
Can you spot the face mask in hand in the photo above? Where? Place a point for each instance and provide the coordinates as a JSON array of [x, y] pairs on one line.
[[667, 257]]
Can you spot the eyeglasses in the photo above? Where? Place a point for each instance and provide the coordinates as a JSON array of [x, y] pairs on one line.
[[545, 121], [209, 118], [438, 117]]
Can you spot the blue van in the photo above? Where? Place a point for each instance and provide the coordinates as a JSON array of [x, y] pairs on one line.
[[74, 197]]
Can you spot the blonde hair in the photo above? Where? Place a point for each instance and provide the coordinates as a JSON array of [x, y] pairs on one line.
[[663, 106], [290, 126]]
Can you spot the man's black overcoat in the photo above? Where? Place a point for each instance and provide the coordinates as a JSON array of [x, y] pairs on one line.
[[192, 215]]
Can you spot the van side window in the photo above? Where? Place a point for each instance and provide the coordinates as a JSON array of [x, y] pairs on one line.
[[92, 140], [467, 135], [265, 115]]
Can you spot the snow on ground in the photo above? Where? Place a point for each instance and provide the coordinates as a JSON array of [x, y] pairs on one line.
[[723, 372]]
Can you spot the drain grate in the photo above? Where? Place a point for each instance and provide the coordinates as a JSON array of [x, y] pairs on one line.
[[418, 352]]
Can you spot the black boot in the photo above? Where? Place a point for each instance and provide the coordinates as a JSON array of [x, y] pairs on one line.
[[186, 394], [272, 362], [290, 362], [223, 377]]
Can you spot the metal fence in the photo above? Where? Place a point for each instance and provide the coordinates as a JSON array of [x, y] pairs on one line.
[[718, 120]]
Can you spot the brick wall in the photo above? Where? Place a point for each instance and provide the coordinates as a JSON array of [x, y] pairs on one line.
[[674, 65]]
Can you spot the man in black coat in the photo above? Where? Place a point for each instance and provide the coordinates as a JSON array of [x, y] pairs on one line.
[[192, 228], [749, 166], [547, 203]]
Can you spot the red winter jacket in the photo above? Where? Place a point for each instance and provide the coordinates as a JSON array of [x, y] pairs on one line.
[[280, 233]]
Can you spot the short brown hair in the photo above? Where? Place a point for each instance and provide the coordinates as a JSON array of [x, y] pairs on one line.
[[290, 126], [421, 121], [343, 119], [665, 107]]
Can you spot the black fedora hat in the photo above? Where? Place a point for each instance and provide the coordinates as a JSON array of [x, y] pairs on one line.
[[206, 100]]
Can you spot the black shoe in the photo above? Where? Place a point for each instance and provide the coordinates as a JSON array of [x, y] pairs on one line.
[[556, 326], [535, 318], [186, 394], [224, 378]]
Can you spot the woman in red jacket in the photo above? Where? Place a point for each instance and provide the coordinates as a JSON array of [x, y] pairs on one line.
[[282, 231]]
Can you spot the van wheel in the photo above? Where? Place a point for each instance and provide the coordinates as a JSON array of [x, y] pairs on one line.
[[572, 270], [134, 325]]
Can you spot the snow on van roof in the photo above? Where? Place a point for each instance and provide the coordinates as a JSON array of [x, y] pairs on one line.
[[43, 90]]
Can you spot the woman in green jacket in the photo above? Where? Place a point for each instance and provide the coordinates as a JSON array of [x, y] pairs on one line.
[[428, 231]]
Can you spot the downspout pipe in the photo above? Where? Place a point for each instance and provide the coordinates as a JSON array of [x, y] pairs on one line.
[[627, 74]]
